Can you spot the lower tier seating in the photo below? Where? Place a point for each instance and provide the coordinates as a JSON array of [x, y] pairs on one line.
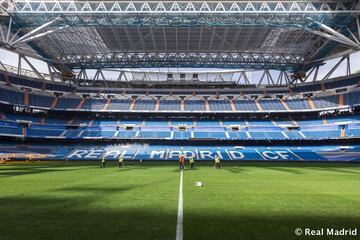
[[28, 126]]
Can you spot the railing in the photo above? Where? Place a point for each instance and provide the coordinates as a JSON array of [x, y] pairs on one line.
[[25, 72]]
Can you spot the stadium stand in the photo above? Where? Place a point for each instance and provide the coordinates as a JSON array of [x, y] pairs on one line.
[[199, 128], [12, 97], [209, 122]]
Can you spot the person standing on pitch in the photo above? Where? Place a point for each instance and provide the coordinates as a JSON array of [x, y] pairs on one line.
[[103, 162], [217, 162], [191, 161], [121, 161], [181, 162]]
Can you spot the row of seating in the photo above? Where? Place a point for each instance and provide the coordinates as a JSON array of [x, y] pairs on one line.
[[176, 122], [35, 132], [66, 103], [14, 128]]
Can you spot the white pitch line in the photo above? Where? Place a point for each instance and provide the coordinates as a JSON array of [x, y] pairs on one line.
[[179, 226]]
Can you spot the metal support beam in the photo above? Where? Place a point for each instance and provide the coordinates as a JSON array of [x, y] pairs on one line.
[[159, 13], [31, 38], [182, 59], [328, 75], [32, 67], [334, 35], [348, 67], [27, 35]]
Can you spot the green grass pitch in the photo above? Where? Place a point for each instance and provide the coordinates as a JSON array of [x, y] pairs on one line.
[[241, 201]]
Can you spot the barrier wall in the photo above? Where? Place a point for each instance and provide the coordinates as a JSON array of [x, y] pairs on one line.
[[157, 152]]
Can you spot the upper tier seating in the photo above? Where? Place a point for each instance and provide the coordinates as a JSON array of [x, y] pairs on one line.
[[147, 105], [352, 98], [245, 105], [67, 103], [40, 100], [219, 105], [119, 104], [93, 104], [326, 102], [12, 97], [172, 105], [32, 99], [271, 105], [194, 105], [298, 104]]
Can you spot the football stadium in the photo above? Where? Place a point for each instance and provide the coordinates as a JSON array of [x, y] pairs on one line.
[[157, 120]]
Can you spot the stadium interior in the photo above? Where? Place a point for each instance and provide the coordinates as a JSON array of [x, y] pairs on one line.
[[269, 88]]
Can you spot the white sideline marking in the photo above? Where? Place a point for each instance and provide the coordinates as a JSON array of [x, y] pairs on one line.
[[179, 226]]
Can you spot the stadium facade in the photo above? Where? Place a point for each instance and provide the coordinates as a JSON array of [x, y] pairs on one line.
[[111, 88]]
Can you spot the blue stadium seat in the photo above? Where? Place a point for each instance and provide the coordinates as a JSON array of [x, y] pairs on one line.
[[93, 104], [298, 104], [263, 135], [181, 135], [119, 104], [41, 132], [326, 102], [126, 134], [273, 104], [67, 103], [154, 134], [13, 97], [219, 105], [147, 105], [40, 100], [321, 134], [238, 135], [171, 105], [194, 105], [10, 130], [293, 135], [245, 105], [98, 134], [213, 135]]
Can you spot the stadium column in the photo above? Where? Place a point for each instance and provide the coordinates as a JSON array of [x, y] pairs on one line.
[[258, 105], [157, 106], [311, 103], [284, 104], [54, 102], [81, 103], [106, 104], [207, 105], [182, 104], [26, 97], [341, 100], [132, 104], [232, 105], [342, 132]]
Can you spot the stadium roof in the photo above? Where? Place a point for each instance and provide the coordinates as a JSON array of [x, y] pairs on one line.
[[284, 35]]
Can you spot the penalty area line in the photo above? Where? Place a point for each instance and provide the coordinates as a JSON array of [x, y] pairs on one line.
[[179, 225]]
